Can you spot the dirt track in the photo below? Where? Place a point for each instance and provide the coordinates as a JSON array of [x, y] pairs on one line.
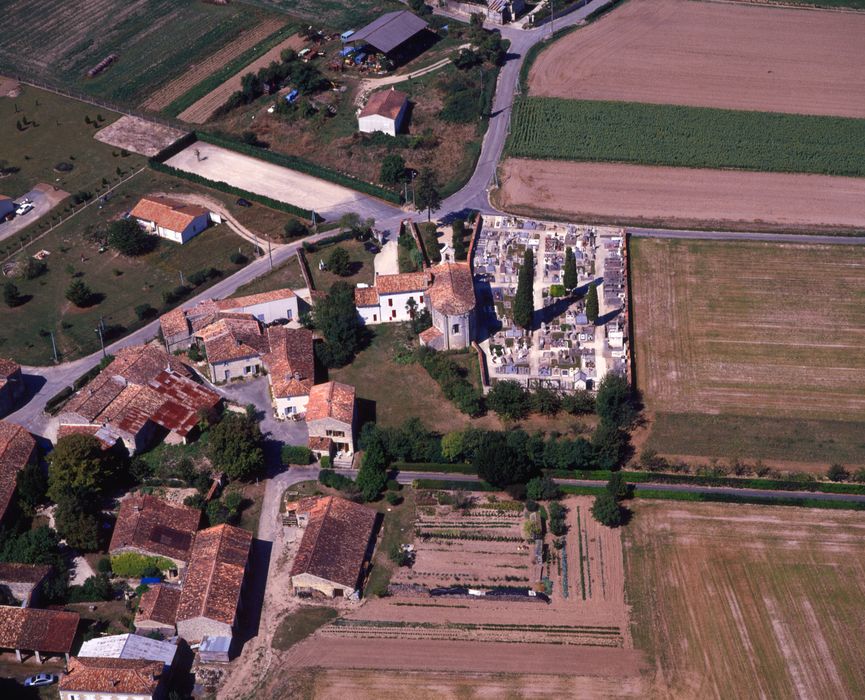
[[202, 110], [712, 55], [682, 197]]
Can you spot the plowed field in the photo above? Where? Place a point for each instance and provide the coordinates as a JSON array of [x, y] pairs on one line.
[[708, 54]]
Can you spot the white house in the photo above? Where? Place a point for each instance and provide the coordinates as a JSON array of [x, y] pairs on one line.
[[170, 219], [385, 112], [388, 300]]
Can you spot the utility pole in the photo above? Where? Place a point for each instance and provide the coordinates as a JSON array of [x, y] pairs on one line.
[[181, 278], [53, 346], [270, 254], [552, 17], [314, 221], [101, 341]]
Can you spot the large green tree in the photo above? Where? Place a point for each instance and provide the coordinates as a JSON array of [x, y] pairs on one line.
[[235, 446], [427, 195], [614, 402], [128, 238], [372, 475], [339, 262], [392, 169], [78, 463], [500, 462], [524, 301], [336, 317], [569, 279], [592, 308], [80, 294], [606, 510], [509, 400]]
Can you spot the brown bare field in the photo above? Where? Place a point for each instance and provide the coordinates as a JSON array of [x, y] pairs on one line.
[[198, 72], [762, 329], [708, 54], [748, 601], [139, 135], [681, 197], [204, 108]]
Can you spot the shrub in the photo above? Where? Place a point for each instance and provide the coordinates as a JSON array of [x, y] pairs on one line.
[[134, 565], [11, 296], [556, 521], [238, 258], [542, 488], [339, 262], [296, 454], [80, 294], [95, 588], [144, 312], [324, 462], [509, 400], [295, 229], [606, 510], [128, 238], [393, 498], [104, 566], [330, 478], [199, 277], [451, 378], [837, 473]]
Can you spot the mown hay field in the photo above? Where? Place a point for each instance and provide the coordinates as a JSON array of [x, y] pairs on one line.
[[712, 54], [752, 329], [334, 14], [155, 40], [649, 134], [748, 601]]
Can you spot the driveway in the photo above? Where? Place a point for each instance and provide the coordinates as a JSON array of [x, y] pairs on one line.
[[43, 202], [257, 392], [387, 260]]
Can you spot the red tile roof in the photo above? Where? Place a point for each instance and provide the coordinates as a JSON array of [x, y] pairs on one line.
[[402, 283], [453, 290], [331, 400], [182, 402], [386, 103], [32, 629], [112, 676], [174, 323], [22, 573], [16, 449], [365, 296], [167, 213], [335, 541], [213, 581], [7, 369], [105, 440], [233, 339], [430, 334], [159, 604], [254, 299], [290, 362], [152, 525]]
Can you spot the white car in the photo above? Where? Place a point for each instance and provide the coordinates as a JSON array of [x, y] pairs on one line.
[[24, 208], [40, 680]]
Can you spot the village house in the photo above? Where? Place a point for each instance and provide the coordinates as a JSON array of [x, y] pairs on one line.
[[210, 598], [150, 526], [451, 301], [22, 582], [42, 632], [91, 678], [157, 610], [179, 325], [234, 346], [144, 394], [12, 387], [387, 301], [129, 646], [385, 112], [291, 369], [336, 542], [17, 450], [170, 219], [331, 419]]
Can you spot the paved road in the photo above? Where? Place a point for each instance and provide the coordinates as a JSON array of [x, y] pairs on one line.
[[745, 236]]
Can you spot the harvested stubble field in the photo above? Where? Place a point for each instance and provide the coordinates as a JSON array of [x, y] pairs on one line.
[[155, 40], [201, 70], [744, 329], [708, 54], [645, 195], [748, 601]]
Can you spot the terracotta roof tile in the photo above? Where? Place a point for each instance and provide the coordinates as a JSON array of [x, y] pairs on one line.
[[290, 362], [430, 334], [112, 676], [22, 573], [213, 581], [154, 526], [331, 400], [167, 213], [174, 323], [16, 449], [159, 604], [335, 541], [49, 631], [385, 103], [320, 443], [182, 401], [8, 368], [402, 283], [254, 299], [365, 296], [453, 289], [106, 439]]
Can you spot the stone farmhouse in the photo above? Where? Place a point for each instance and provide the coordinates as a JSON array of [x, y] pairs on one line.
[[157, 610], [170, 219], [42, 632], [331, 419], [12, 387], [180, 325], [336, 543], [234, 346], [93, 678], [17, 450], [150, 526], [291, 369], [144, 394], [210, 597], [22, 581], [446, 290]]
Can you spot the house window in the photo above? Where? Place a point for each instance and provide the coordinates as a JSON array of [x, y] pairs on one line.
[[227, 373], [335, 433], [288, 314], [393, 314], [421, 299], [456, 328], [390, 302], [375, 318]]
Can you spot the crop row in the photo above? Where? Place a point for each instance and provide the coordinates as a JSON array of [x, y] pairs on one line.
[[697, 137], [438, 535]]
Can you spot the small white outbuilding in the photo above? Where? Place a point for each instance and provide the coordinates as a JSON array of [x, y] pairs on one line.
[[385, 112]]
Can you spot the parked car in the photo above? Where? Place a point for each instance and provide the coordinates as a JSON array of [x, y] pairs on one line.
[[40, 680], [23, 208], [241, 202]]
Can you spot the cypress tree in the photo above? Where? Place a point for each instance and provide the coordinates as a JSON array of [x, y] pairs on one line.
[[592, 309], [524, 303], [570, 277]]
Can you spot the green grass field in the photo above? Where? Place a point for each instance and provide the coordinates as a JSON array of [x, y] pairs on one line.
[[124, 282], [155, 40], [751, 349], [334, 14], [59, 134], [631, 132]]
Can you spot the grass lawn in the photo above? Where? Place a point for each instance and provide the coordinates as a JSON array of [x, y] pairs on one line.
[[286, 275], [397, 528], [751, 349], [155, 40], [253, 497], [122, 282], [298, 625], [361, 265], [60, 134]]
